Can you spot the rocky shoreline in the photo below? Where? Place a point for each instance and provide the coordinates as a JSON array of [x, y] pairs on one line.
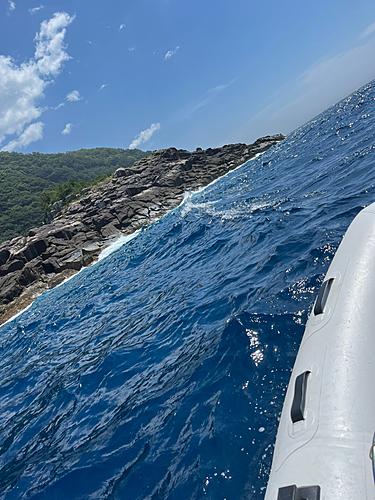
[[130, 199]]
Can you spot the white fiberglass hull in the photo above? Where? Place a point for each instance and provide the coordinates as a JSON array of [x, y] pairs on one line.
[[327, 446]]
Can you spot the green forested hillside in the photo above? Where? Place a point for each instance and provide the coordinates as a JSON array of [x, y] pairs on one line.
[[23, 178]]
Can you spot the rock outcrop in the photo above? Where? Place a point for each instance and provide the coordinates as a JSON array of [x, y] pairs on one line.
[[130, 199]]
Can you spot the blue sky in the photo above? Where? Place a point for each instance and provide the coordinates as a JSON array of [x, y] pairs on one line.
[[159, 73]]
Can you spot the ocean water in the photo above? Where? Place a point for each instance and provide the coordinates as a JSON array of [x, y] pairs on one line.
[[159, 373]]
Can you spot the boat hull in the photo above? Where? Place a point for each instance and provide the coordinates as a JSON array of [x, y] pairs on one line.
[[324, 442]]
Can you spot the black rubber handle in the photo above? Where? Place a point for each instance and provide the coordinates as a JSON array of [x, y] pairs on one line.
[[299, 400], [289, 493], [323, 296], [303, 493]]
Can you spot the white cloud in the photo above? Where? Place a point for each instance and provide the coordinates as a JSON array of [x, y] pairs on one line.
[[22, 86], [208, 97], [103, 86], [121, 27], [171, 53], [58, 106], [50, 48], [67, 129], [318, 87], [131, 49], [12, 5], [32, 133], [368, 31], [144, 136], [35, 9], [73, 96], [328, 81]]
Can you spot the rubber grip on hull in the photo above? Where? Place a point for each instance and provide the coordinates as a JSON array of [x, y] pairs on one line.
[[294, 493], [299, 400], [322, 296]]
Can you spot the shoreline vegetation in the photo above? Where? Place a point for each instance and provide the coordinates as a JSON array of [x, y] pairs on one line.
[[30, 181], [79, 228]]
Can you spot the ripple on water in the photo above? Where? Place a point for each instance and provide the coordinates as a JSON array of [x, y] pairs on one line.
[[160, 372]]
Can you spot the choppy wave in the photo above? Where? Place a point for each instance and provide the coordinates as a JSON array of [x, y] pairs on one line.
[[159, 373]]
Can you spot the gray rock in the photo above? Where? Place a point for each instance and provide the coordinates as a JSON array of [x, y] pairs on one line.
[[4, 256], [121, 172], [73, 262], [57, 206], [92, 248], [101, 204]]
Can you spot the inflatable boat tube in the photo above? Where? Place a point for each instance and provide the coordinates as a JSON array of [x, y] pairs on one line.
[[324, 443]]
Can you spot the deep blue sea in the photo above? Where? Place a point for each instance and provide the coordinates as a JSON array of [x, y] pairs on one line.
[[159, 373]]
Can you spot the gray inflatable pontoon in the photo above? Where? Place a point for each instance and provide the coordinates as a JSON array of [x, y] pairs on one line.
[[324, 442]]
